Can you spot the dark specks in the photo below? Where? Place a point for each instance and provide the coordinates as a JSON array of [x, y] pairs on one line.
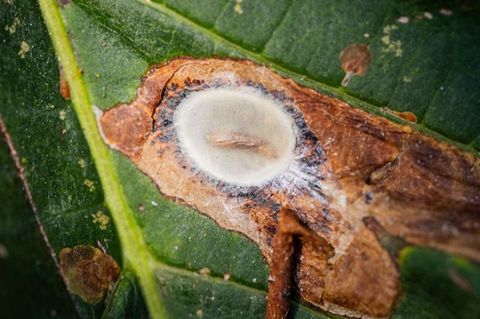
[[368, 197], [326, 215]]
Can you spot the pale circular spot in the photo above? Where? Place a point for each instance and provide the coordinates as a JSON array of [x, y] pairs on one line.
[[239, 136]]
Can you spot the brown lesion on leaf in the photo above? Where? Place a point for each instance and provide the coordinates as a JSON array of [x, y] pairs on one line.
[[355, 60], [392, 244], [88, 272], [382, 173], [283, 260], [358, 181]]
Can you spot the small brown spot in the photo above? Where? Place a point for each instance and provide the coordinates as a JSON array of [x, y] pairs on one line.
[[88, 272], [64, 88], [407, 116], [355, 60]]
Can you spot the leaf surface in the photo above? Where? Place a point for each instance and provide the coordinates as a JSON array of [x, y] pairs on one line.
[[162, 245]]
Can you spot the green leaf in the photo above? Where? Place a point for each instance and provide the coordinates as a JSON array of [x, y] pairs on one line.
[[28, 275], [105, 46]]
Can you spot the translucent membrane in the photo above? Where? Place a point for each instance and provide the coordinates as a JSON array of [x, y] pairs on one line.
[[238, 136]]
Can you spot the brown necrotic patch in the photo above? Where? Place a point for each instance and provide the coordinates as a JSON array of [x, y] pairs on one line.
[[301, 174], [355, 60], [331, 165], [88, 272]]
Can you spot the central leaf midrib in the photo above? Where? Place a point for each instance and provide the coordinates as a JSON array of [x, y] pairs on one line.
[[302, 79]]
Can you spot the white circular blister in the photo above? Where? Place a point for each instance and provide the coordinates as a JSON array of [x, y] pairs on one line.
[[238, 136]]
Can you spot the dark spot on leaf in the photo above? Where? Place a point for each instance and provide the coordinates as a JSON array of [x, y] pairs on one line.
[[368, 197], [355, 60], [88, 272]]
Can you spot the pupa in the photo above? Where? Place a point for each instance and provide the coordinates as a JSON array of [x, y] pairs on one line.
[[241, 144]]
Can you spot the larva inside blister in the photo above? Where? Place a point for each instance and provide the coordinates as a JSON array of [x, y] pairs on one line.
[[235, 134]]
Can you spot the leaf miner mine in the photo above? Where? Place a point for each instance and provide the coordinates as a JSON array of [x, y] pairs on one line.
[[344, 166]]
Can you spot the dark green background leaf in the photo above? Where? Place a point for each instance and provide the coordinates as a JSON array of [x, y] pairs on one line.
[[28, 275]]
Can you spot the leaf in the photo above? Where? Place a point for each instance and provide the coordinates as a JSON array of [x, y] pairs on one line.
[[27, 272], [160, 244]]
